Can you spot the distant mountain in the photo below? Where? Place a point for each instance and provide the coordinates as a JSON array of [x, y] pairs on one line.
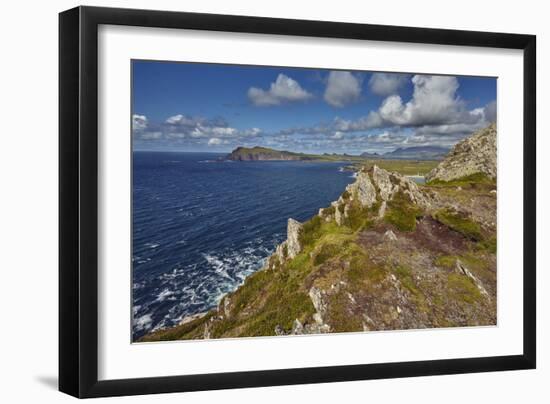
[[258, 153], [411, 153], [368, 155]]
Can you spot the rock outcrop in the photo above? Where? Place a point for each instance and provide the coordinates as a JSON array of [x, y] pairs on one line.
[[377, 186], [293, 231], [363, 190], [473, 155], [291, 247]]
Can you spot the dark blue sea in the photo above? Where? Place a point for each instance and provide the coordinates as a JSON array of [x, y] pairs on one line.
[[201, 226]]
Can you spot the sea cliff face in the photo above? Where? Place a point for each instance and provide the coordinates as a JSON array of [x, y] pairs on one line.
[[387, 255], [263, 154]]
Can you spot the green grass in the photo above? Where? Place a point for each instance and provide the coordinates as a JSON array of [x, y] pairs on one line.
[[340, 318], [462, 288], [446, 261], [405, 277], [489, 245], [326, 252], [361, 269], [459, 222], [465, 182], [358, 217], [402, 213], [405, 167], [311, 231], [280, 310]]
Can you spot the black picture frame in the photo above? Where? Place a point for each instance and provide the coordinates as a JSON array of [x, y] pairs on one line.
[[78, 201]]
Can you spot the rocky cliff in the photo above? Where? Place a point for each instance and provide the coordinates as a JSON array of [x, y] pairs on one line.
[[476, 154], [262, 154], [387, 255]]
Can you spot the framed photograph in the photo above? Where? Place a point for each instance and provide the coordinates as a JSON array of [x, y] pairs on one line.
[[251, 201]]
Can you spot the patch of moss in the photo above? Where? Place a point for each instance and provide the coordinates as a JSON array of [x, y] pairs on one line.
[[340, 316], [326, 252], [311, 231], [459, 222], [282, 311], [466, 181], [489, 245], [462, 288], [402, 213], [445, 261], [251, 288], [405, 277], [362, 269], [357, 218]]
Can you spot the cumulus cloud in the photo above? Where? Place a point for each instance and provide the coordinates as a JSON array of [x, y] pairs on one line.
[[385, 84], [434, 102], [434, 115], [342, 89], [185, 131], [283, 90], [139, 122], [215, 141]]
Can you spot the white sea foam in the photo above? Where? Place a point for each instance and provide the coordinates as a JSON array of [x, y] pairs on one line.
[[166, 293], [143, 323]]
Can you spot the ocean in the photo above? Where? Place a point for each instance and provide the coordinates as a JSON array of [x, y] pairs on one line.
[[201, 226]]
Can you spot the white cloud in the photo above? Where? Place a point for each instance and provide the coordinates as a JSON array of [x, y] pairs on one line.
[[139, 122], [180, 120], [214, 141], [433, 102], [337, 135], [342, 89], [385, 84], [283, 90], [490, 112]]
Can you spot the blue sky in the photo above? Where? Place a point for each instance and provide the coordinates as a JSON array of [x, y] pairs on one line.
[[215, 108]]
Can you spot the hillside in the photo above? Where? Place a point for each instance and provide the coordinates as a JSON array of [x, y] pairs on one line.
[[258, 153], [476, 154], [387, 255]]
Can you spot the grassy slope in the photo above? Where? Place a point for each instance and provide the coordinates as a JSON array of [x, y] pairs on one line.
[[411, 283], [405, 167]]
